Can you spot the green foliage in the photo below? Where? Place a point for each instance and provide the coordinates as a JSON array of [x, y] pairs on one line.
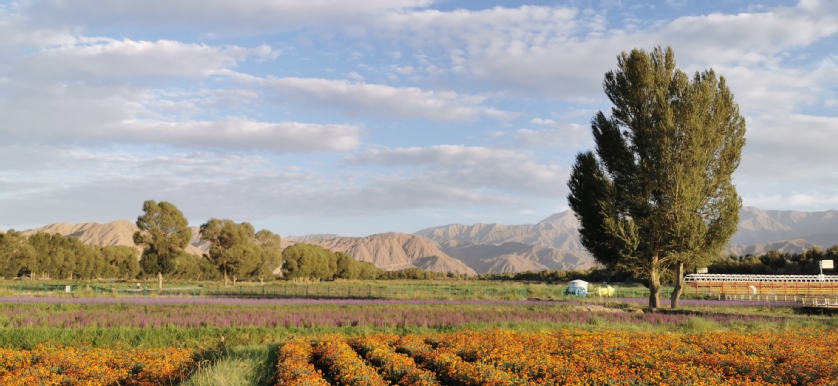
[[312, 261], [123, 259], [238, 366], [413, 274], [164, 233], [236, 250], [54, 256], [656, 193], [17, 257], [232, 247], [271, 258], [308, 261], [776, 263]]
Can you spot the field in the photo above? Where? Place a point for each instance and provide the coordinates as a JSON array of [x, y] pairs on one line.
[[213, 340]]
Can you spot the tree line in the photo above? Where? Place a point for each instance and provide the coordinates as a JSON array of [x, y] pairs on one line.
[[769, 263], [54, 256], [777, 263], [236, 252]]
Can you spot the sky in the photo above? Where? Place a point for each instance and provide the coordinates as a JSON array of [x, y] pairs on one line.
[[370, 116]]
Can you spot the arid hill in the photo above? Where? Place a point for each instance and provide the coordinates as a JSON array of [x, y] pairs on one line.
[[392, 251], [759, 231], [516, 257], [557, 231], [552, 243], [120, 232]]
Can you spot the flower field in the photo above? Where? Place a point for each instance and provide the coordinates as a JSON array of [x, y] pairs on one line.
[[565, 357], [48, 365], [163, 312]]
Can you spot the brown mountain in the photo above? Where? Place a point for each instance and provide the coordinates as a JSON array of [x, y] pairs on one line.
[[516, 257], [120, 232], [759, 231], [758, 226], [392, 251], [557, 231]]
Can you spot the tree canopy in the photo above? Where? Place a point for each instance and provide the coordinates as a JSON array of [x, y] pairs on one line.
[[164, 233], [312, 261], [657, 192], [236, 250]]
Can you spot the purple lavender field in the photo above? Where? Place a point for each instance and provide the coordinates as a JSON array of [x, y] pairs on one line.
[[16, 312]]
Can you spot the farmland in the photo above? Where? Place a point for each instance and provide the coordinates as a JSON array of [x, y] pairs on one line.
[[287, 340]]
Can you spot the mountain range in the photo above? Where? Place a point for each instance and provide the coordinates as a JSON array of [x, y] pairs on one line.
[[552, 243]]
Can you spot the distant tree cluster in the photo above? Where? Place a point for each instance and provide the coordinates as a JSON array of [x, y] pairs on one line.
[[418, 274], [236, 252], [239, 251], [549, 275], [776, 263], [54, 256], [312, 261]]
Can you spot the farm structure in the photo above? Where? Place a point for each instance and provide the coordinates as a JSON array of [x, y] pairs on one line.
[[776, 285]]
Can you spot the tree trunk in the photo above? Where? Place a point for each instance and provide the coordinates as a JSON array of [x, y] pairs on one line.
[[225, 277], [654, 284], [159, 280], [234, 280], [679, 286]]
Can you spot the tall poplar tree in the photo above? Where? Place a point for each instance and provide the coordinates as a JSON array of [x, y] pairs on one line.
[[163, 235], [656, 194]]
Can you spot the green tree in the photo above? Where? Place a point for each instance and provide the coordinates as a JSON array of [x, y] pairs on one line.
[[17, 257], [163, 235], [657, 192], [122, 260], [232, 247], [308, 261], [271, 258]]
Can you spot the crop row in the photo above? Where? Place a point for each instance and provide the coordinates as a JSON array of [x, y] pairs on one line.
[[51, 364], [566, 357]]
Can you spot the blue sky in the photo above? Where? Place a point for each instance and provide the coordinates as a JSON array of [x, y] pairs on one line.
[[361, 117]]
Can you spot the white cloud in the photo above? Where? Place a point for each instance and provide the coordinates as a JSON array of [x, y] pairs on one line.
[[382, 100], [555, 51], [102, 58], [570, 136], [793, 201], [473, 168], [543, 121], [789, 162], [75, 184], [85, 114], [239, 134], [212, 16]]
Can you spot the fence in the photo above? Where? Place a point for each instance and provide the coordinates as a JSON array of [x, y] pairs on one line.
[[768, 288]]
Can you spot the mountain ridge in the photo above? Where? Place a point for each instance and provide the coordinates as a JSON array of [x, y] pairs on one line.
[[552, 243]]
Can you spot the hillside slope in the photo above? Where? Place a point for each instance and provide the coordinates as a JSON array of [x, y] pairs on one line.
[[120, 232], [392, 251]]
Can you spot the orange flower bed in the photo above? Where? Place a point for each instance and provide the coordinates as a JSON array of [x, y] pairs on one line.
[[294, 366], [571, 357], [52, 364], [344, 364], [398, 368]]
